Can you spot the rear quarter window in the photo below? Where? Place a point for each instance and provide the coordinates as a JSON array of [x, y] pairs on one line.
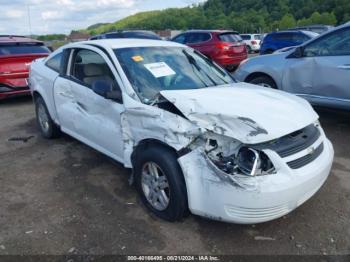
[[55, 62], [193, 38]]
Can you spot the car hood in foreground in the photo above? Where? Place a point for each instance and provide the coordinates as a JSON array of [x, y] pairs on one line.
[[248, 113]]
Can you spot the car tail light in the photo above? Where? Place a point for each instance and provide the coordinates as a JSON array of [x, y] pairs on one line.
[[254, 42], [223, 46]]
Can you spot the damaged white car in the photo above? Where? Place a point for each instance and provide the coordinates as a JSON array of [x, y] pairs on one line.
[[195, 139]]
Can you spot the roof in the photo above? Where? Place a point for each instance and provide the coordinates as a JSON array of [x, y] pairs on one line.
[[210, 31], [291, 31], [130, 42], [17, 39]]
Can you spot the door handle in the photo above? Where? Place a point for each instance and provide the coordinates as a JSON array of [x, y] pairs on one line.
[[345, 67]]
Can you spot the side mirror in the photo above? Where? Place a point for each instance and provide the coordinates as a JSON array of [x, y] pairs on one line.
[[105, 88], [298, 53]]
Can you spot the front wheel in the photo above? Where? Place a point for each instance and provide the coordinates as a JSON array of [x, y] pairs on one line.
[[264, 81], [160, 182]]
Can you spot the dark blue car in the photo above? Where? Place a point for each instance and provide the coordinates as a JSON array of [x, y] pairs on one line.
[[277, 40]]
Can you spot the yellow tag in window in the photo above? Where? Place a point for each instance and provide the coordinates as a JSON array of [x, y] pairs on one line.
[[137, 58]]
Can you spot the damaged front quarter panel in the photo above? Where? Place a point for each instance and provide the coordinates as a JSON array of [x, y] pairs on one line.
[[143, 122]]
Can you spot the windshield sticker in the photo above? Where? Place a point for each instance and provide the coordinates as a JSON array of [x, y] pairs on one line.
[[137, 58], [160, 69]]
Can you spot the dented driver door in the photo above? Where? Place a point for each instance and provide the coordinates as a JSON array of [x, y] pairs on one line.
[[98, 120]]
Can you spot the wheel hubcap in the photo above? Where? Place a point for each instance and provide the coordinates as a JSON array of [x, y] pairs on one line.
[[43, 118], [155, 186]]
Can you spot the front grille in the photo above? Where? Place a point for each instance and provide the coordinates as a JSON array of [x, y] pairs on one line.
[[303, 161], [294, 142]]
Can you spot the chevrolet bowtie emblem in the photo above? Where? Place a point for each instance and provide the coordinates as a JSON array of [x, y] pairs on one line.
[[311, 150]]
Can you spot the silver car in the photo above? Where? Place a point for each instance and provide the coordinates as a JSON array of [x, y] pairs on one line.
[[318, 70]]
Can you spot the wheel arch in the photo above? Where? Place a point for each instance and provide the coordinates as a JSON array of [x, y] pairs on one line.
[[259, 74], [36, 94], [146, 143]]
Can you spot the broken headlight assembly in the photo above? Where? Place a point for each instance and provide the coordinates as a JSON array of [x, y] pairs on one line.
[[246, 161], [252, 162]]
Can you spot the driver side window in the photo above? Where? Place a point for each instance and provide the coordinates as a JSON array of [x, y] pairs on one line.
[[334, 44], [88, 66]]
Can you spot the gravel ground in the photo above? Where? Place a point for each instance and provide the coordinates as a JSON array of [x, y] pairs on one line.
[[60, 197]]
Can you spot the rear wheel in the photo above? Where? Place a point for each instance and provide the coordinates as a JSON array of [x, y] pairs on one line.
[[160, 182], [264, 81], [46, 125]]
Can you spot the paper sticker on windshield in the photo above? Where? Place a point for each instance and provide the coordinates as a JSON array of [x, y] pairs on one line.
[[160, 69], [137, 58]]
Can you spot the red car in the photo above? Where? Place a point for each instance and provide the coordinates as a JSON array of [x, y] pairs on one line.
[[16, 55], [224, 47]]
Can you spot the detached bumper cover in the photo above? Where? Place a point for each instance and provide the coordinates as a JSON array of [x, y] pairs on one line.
[[14, 84], [6, 91], [253, 199]]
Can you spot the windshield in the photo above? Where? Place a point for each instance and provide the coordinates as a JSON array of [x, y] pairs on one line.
[[20, 49], [153, 69], [257, 37]]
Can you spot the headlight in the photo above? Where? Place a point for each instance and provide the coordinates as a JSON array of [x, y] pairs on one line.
[[247, 161], [233, 158], [252, 162]]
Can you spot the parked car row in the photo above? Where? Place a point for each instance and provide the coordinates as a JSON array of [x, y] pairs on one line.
[[224, 47]]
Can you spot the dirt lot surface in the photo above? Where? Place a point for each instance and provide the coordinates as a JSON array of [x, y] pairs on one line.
[[60, 196]]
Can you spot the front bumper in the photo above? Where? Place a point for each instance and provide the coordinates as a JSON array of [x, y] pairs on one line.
[[252, 199], [255, 47]]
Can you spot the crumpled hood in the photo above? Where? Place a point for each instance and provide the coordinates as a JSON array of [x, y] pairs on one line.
[[248, 113]]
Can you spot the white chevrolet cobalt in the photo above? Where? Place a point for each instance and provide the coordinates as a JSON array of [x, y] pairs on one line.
[[195, 139]]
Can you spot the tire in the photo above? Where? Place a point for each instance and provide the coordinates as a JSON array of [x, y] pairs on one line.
[[170, 173], [45, 123], [249, 49], [265, 81]]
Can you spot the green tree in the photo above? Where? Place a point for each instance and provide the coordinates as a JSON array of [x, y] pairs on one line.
[[287, 21]]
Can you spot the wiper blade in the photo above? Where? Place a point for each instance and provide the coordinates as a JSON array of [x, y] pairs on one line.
[[158, 98], [197, 66]]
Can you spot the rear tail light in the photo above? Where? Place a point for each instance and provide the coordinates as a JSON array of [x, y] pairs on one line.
[[254, 42], [223, 46]]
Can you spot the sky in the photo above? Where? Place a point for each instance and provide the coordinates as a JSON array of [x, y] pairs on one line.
[[24, 17]]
